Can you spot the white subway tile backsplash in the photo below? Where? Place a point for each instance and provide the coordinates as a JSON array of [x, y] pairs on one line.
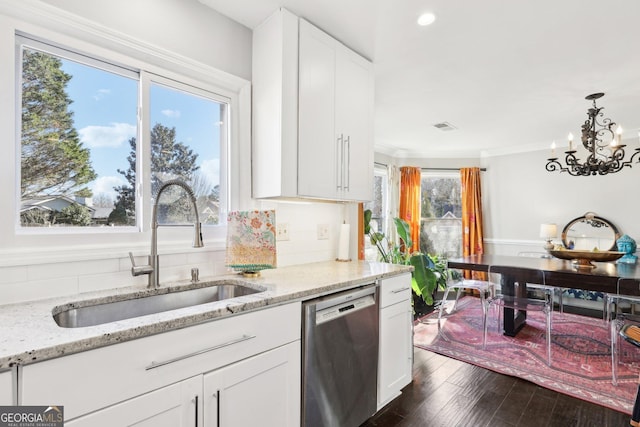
[[13, 274], [36, 281], [75, 268], [38, 289], [205, 256], [120, 279], [172, 260]]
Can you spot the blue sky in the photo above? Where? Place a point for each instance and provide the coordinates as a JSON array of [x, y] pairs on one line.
[[104, 107]]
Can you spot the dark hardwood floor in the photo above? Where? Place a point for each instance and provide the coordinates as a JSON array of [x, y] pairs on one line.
[[447, 392]]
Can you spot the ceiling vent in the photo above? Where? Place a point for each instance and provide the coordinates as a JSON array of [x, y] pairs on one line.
[[444, 126]]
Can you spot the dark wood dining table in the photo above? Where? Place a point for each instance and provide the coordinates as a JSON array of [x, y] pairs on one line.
[[607, 277]]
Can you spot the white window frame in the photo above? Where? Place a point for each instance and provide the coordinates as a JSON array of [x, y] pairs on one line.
[[379, 170], [34, 43], [193, 88], [24, 248]]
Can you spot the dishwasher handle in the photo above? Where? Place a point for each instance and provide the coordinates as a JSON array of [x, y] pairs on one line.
[[333, 300], [345, 305]]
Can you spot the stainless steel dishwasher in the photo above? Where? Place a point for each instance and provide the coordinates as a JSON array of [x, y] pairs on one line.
[[340, 358]]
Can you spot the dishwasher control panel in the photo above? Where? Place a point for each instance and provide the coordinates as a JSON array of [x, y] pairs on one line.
[[344, 308]]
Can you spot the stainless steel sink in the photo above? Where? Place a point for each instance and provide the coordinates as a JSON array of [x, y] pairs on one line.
[[97, 314]]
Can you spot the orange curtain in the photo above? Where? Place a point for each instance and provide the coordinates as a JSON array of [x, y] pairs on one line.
[[472, 232], [409, 210]]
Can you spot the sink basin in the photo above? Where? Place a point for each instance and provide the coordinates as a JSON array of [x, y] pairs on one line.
[[97, 314]]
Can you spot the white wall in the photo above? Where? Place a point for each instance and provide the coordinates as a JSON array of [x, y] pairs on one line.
[[183, 31], [184, 26], [519, 195]]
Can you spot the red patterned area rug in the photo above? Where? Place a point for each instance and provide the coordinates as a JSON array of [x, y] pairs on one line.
[[580, 352]]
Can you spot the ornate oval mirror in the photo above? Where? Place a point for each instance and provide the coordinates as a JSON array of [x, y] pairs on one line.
[[589, 232]]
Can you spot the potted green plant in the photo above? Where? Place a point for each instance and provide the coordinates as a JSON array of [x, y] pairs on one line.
[[430, 272]]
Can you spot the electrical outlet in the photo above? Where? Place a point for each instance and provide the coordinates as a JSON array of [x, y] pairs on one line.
[[323, 231], [282, 231]]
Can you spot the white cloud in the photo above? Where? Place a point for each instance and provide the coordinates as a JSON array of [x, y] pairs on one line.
[[174, 114], [113, 135], [101, 93], [105, 184], [211, 170]]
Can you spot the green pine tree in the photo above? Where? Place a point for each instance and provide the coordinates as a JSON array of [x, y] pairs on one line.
[[53, 159], [169, 160]]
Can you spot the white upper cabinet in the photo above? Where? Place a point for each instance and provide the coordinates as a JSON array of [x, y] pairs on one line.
[[312, 112]]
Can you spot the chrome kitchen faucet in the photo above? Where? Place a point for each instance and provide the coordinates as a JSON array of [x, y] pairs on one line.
[[153, 268]]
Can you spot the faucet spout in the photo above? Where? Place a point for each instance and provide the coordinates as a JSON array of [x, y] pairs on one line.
[[153, 269]]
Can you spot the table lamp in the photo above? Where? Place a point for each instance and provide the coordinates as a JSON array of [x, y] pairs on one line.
[[548, 232]]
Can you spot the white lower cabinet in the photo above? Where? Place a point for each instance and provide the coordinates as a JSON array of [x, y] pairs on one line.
[[395, 361], [176, 405], [6, 388], [251, 360], [260, 391]]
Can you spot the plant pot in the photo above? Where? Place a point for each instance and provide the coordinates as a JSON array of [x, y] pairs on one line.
[[420, 308]]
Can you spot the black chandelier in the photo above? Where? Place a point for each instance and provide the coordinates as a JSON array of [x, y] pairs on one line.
[[606, 153]]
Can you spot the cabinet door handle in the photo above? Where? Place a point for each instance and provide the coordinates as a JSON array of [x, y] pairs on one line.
[[347, 164], [195, 400], [217, 397], [397, 291], [340, 161], [154, 365]]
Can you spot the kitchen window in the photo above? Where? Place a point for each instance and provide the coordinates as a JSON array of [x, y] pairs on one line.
[[188, 135], [441, 214], [80, 121]]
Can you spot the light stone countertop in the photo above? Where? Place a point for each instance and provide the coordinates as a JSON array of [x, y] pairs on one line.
[[28, 332]]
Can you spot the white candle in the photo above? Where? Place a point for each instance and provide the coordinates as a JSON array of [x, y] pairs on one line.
[[553, 148], [570, 137], [343, 243], [619, 134]]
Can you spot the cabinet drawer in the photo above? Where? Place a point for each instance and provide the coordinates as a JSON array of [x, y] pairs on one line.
[[395, 289], [94, 379]]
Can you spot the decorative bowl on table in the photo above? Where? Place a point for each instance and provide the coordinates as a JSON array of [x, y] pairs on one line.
[[584, 259]]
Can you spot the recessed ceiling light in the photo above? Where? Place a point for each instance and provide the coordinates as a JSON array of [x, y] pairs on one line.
[[444, 126], [426, 19]]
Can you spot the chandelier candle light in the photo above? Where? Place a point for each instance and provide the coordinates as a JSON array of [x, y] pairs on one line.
[[603, 144]]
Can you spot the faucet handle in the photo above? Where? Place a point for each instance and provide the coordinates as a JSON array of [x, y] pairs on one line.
[[139, 270]]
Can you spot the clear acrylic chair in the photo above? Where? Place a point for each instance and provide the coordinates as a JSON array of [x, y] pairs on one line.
[[557, 292], [520, 302], [458, 283], [618, 319]]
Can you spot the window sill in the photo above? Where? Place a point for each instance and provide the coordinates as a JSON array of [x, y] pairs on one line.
[[79, 253]]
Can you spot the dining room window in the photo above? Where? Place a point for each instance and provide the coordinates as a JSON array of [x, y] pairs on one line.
[[378, 205], [441, 214], [379, 208]]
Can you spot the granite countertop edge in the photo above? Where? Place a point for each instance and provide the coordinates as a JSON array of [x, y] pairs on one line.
[[28, 333]]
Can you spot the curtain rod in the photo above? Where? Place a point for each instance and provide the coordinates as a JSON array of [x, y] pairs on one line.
[[431, 169], [448, 169]]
